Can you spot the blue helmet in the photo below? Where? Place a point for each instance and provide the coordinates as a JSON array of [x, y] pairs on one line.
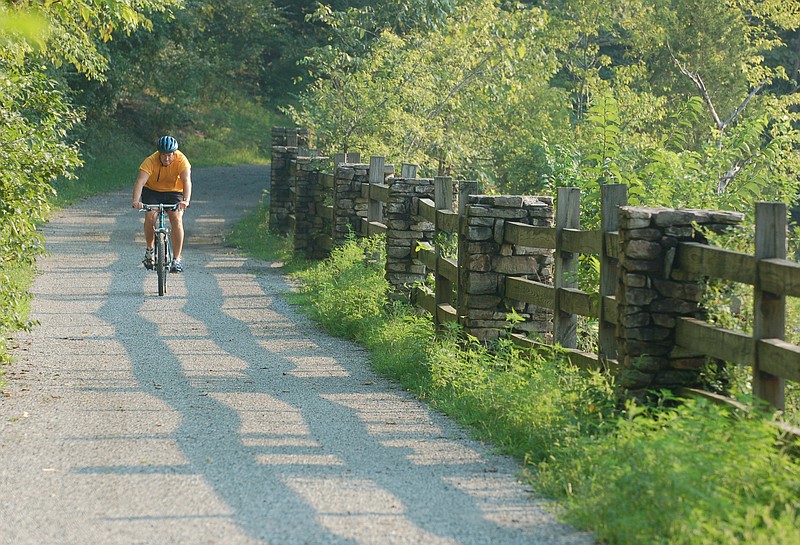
[[167, 144]]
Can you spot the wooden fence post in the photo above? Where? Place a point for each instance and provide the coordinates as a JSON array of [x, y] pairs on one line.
[[465, 189], [443, 200], [769, 316], [408, 171], [377, 164], [565, 325], [612, 196]]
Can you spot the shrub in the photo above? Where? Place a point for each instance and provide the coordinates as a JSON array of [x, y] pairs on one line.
[[693, 474]]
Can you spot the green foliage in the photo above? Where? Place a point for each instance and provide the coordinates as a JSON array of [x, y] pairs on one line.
[[693, 474], [674, 99], [529, 403], [347, 291], [14, 304], [252, 233]]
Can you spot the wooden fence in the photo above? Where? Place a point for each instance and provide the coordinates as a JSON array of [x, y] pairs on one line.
[[652, 266]]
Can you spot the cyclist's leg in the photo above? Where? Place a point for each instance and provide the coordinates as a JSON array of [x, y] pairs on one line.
[[149, 197], [176, 222]]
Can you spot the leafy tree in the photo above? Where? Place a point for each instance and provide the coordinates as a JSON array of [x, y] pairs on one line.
[[36, 115]]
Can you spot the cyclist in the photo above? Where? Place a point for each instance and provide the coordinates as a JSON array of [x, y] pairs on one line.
[[165, 177]]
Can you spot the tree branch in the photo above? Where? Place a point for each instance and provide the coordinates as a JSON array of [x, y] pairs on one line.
[[698, 82]]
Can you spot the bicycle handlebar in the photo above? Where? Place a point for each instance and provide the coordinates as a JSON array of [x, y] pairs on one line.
[[149, 207]]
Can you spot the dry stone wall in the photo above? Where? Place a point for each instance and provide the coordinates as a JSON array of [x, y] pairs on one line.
[[489, 261], [652, 295]]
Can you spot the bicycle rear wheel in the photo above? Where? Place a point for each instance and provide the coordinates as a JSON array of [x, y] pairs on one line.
[[162, 265]]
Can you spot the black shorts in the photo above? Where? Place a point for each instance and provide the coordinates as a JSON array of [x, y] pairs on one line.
[[161, 197]]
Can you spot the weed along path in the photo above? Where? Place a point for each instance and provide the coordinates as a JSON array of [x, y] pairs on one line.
[[217, 414]]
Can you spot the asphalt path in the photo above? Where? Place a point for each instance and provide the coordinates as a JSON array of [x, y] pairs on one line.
[[219, 415]]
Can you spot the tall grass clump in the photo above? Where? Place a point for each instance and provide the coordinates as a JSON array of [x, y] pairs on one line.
[[347, 292], [691, 474], [347, 295], [526, 402]]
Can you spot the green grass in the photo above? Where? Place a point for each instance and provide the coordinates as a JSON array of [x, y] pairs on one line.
[[682, 472], [14, 313], [236, 132], [252, 233]]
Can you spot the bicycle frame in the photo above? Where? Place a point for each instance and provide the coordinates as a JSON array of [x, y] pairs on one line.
[[163, 243]]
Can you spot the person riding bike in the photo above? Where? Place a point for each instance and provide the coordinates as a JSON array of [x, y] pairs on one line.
[[165, 177]]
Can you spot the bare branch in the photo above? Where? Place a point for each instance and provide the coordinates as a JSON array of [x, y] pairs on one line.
[[743, 105], [698, 82]]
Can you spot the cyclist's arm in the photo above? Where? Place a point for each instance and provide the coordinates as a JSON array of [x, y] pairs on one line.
[[186, 177], [141, 179]]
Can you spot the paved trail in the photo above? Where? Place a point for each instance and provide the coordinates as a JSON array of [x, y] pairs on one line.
[[217, 414]]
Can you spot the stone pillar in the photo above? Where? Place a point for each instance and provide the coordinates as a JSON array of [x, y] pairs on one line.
[[280, 197], [651, 295], [489, 261], [285, 145], [309, 225], [348, 204], [404, 231]]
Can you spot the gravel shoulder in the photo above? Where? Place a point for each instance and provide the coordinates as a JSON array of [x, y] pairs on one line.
[[219, 415]]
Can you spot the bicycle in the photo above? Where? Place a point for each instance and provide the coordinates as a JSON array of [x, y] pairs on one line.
[[163, 246]]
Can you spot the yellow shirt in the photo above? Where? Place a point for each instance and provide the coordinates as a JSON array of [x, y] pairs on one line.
[[165, 178]]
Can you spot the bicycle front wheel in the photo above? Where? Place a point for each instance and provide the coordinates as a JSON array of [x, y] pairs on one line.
[[162, 265]]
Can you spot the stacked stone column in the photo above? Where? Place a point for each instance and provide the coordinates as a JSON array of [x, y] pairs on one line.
[[651, 295], [405, 230], [489, 261], [308, 198], [348, 204], [285, 144]]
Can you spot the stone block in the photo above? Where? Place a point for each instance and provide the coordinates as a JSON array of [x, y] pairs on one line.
[[632, 379], [400, 225], [499, 231], [649, 364], [688, 363], [516, 265], [681, 217], [482, 301], [642, 249], [673, 306], [635, 281], [645, 333], [480, 221], [481, 283], [679, 290], [647, 233], [675, 378], [636, 347], [639, 319], [509, 201], [663, 320], [642, 265], [482, 247], [484, 334], [639, 296], [479, 233], [398, 252], [480, 263]]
